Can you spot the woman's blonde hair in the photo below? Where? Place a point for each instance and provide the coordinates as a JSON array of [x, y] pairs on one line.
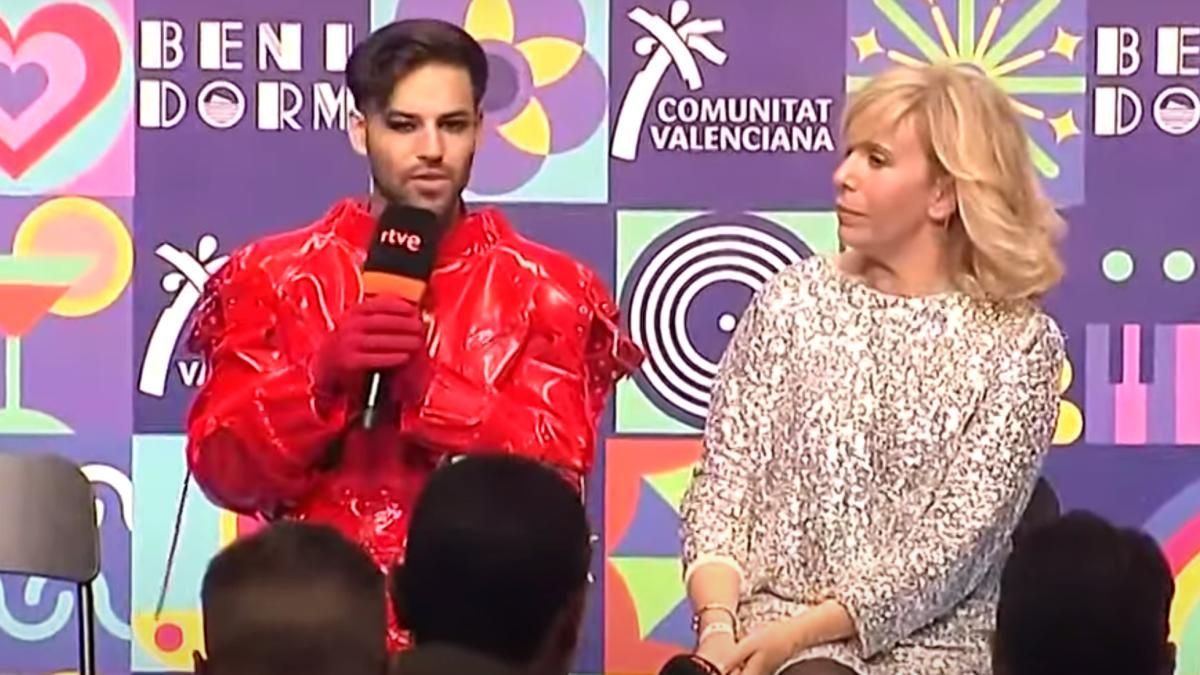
[[1005, 231]]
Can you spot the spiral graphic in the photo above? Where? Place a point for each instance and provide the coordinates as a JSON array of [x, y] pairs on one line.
[[687, 290]]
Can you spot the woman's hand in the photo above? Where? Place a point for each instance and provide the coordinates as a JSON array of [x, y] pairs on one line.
[[718, 649], [763, 651]]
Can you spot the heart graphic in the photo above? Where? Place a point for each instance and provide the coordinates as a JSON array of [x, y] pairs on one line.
[[80, 58], [20, 87], [53, 53]]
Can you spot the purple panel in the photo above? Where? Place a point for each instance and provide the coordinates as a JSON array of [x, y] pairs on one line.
[[775, 49], [1135, 201], [235, 184], [1118, 483]]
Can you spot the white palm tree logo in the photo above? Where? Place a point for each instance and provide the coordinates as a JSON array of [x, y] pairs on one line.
[[186, 281], [668, 43]]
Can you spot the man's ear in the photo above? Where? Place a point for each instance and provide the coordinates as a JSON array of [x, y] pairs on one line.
[[356, 130]]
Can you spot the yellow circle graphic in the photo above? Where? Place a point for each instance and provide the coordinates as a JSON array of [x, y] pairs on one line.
[[1070, 417], [76, 226]]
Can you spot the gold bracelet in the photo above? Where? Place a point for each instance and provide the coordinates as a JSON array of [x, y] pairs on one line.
[[715, 606]]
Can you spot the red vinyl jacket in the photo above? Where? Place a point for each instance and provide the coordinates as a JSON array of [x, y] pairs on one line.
[[523, 349]]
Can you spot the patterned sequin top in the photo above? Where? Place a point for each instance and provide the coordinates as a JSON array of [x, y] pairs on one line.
[[878, 450]]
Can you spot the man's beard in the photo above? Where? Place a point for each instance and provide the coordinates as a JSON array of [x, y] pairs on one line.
[[445, 209], [386, 187]]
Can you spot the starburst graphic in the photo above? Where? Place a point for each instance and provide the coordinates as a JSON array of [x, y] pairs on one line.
[[1031, 48]]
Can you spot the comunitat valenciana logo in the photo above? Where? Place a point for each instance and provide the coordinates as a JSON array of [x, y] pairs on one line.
[[1120, 106], [267, 53], [185, 283], [688, 46]]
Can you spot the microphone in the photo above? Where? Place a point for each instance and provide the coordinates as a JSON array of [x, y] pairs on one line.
[[689, 664], [399, 262]]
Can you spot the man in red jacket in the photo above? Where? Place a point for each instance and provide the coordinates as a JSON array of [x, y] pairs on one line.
[[513, 348]]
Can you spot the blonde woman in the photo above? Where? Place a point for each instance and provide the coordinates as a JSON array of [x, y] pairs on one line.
[[880, 418]]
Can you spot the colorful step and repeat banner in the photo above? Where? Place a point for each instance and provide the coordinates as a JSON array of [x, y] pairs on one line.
[[682, 148]]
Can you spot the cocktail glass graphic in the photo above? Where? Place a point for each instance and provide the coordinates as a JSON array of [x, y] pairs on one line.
[[29, 287]]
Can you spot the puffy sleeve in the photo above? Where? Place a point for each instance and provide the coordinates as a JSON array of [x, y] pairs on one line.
[[255, 429], [749, 383], [972, 515], [534, 385]]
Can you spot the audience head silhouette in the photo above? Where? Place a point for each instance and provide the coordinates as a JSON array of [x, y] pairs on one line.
[[293, 598], [497, 564], [1080, 596]]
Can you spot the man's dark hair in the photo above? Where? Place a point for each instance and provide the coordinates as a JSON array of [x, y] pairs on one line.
[[1081, 596], [498, 547], [294, 598], [390, 53]]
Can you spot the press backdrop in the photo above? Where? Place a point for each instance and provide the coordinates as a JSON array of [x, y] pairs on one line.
[[683, 149]]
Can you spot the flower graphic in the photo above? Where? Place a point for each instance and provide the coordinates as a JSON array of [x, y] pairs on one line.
[[546, 94]]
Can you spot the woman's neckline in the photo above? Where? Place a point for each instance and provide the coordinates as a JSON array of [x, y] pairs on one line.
[[859, 284]]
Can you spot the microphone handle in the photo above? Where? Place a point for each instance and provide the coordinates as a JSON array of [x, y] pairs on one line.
[[374, 394]]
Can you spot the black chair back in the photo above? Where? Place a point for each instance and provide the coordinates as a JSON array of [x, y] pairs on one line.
[[48, 529]]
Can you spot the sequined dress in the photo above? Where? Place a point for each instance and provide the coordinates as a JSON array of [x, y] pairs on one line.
[[877, 450]]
